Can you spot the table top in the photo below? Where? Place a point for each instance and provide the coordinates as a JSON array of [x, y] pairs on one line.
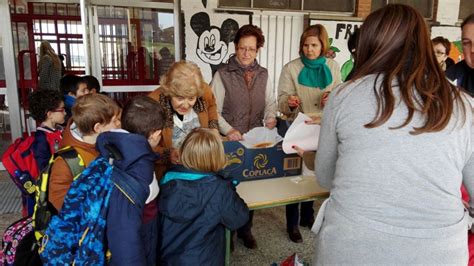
[[278, 191]]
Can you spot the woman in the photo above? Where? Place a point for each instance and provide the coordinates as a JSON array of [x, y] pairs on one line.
[[49, 68], [188, 103], [304, 86], [244, 97], [395, 145], [441, 47]]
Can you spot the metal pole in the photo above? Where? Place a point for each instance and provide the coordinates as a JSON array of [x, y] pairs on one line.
[[10, 70], [177, 29]]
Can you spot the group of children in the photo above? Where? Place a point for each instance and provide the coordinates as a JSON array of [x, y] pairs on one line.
[[196, 202]]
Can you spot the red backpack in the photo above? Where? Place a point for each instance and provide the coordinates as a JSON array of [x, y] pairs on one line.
[[20, 162]]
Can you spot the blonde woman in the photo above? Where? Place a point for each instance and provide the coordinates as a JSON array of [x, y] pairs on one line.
[[188, 103], [49, 68]]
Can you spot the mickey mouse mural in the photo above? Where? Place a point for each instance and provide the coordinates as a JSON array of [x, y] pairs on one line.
[[213, 42]]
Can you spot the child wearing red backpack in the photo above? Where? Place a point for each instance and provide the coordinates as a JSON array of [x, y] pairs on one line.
[[26, 157], [47, 108]]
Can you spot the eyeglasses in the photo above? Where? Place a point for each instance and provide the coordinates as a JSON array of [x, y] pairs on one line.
[[247, 49], [60, 110]]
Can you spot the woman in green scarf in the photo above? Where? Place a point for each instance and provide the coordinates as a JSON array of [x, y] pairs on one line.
[[303, 87]]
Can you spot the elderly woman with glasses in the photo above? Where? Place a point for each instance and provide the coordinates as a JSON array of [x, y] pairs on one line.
[[244, 97], [187, 103]]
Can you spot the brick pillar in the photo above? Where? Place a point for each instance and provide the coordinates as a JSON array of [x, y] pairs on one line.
[[363, 8]]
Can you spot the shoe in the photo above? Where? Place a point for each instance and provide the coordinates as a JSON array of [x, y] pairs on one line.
[[295, 235], [249, 240], [309, 223]]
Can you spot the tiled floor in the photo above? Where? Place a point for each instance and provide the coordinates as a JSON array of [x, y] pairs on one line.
[[269, 230]]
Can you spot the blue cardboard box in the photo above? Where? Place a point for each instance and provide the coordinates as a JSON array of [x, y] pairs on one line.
[[246, 164]]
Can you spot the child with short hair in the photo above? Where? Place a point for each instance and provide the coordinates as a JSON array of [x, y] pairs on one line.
[[196, 204], [92, 115], [47, 108], [72, 87], [92, 83], [131, 230]]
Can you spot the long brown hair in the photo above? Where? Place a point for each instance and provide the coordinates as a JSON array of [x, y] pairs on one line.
[[395, 45], [46, 49]]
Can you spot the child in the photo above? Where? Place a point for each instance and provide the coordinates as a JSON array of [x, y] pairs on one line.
[[47, 108], [92, 115], [72, 87], [196, 204], [93, 84], [132, 231]]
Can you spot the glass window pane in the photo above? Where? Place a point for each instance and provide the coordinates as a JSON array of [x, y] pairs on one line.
[[377, 4], [277, 4], [73, 10], [62, 26], [135, 51], [39, 8], [466, 8], [50, 9], [235, 3], [330, 5], [424, 6], [62, 9]]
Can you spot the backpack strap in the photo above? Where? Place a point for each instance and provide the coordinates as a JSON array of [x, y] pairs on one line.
[[73, 160], [130, 187]]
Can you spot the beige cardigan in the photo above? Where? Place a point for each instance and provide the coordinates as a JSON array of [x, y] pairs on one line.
[[310, 97]]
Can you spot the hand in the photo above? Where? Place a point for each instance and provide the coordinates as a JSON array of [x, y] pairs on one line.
[[298, 150], [315, 120], [270, 123], [234, 135], [175, 156], [324, 99], [293, 101]]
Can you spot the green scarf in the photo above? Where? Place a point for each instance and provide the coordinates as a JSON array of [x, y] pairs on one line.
[[315, 73]]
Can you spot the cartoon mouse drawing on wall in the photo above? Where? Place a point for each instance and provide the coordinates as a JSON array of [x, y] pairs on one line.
[[213, 42]]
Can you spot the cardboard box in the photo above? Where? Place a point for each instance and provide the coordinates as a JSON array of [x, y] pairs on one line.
[[249, 164]]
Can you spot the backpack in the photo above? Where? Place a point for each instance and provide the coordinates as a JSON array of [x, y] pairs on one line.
[[44, 210], [77, 234], [19, 244], [20, 161]]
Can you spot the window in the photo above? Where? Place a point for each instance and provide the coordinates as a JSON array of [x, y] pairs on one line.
[[136, 44], [346, 6], [466, 8], [424, 6]]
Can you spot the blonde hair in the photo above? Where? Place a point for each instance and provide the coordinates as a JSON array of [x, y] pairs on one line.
[[183, 79], [202, 150], [91, 109], [46, 49]]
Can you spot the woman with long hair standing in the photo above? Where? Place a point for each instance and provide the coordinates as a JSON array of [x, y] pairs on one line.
[[49, 68], [396, 143]]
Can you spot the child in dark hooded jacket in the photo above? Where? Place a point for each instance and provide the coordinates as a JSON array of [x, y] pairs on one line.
[[131, 230], [196, 204]]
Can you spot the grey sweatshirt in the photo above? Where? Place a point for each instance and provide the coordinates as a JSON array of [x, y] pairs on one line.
[[387, 175]]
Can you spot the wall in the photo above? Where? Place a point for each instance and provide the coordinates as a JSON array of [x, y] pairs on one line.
[[282, 31]]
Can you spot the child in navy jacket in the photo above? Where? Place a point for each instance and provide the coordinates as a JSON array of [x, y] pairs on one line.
[[196, 204], [132, 239]]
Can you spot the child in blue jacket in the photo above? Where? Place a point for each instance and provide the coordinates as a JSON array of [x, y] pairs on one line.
[[196, 204], [131, 237]]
